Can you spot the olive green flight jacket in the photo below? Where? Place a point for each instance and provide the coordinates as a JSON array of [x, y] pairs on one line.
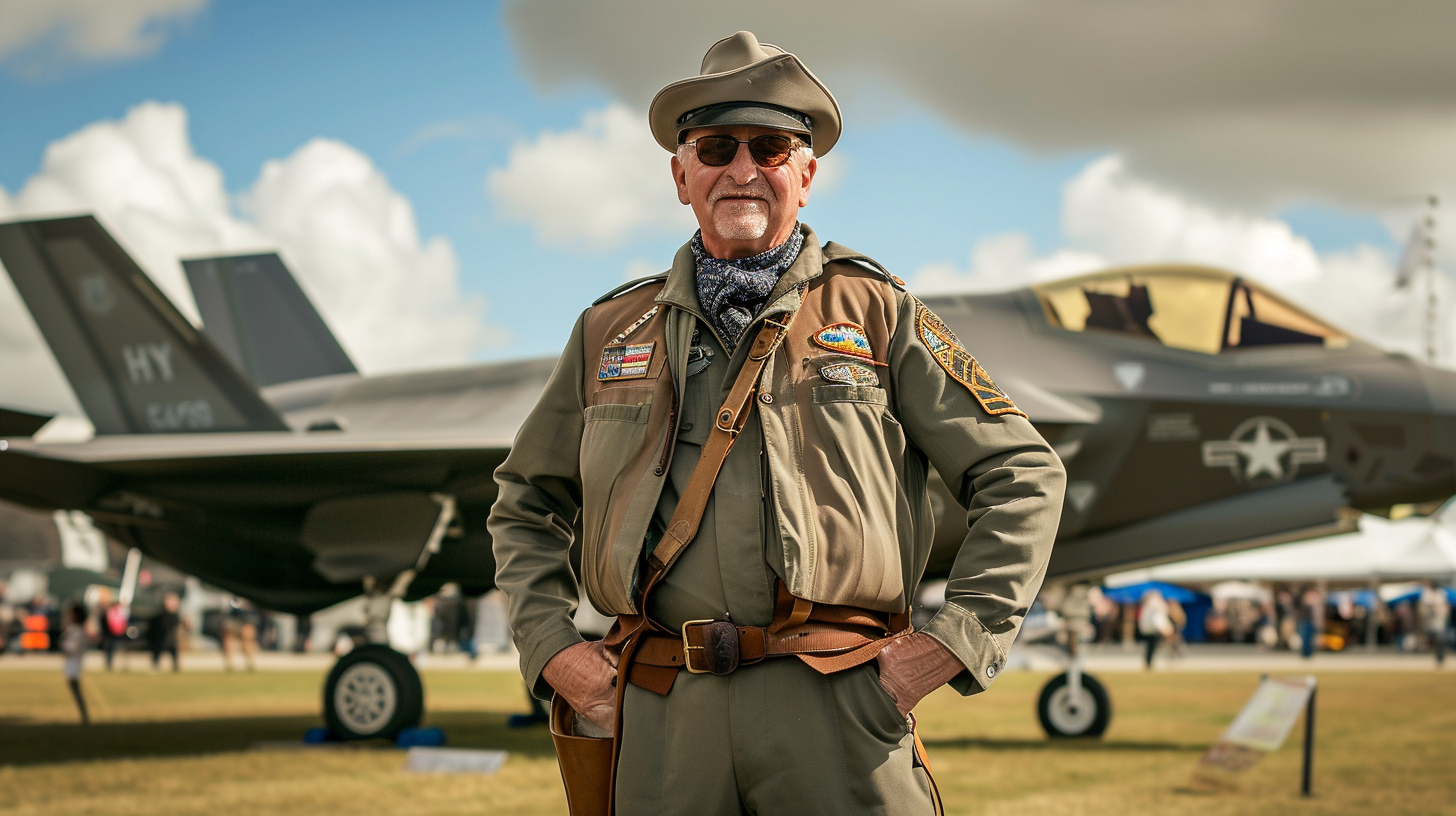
[[866, 390]]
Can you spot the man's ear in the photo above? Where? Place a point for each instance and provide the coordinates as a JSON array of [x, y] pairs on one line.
[[680, 177], [806, 179]]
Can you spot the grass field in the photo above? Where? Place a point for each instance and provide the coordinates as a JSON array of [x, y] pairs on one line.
[[179, 745]]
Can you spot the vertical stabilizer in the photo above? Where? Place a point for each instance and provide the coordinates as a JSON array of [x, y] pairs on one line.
[[255, 311], [136, 364]]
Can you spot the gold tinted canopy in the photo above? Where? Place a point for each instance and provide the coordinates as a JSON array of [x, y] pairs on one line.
[[1197, 308]]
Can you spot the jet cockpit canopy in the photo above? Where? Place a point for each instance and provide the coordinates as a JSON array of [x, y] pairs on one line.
[[1198, 308]]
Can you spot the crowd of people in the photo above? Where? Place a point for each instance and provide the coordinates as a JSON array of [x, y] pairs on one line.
[[100, 622], [1303, 619]]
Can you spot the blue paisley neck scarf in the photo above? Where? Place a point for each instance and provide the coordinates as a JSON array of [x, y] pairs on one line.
[[732, 292]]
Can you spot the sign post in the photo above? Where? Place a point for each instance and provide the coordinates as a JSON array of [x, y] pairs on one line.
[[1260, 728], [1308, 774]]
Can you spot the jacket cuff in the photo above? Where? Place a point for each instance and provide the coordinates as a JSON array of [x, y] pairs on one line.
[[535, 658], [962, 633]]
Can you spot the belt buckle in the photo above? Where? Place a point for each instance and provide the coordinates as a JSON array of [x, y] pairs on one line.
[[720, 651]]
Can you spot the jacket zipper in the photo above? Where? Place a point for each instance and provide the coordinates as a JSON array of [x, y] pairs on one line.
[[667, 442]]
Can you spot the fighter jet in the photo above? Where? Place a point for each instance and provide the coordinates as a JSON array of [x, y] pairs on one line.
[[1196, 412]]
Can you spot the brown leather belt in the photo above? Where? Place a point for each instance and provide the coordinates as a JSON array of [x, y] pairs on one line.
[[720, 647]]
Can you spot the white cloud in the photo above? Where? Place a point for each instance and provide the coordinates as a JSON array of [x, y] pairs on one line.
[[600, 185], [40, 33], [1004, 261], [1111, 217], [142, 178], [352, 239], [1125, 219], [349, 237], [640, 268], [1249, 101], [592, 187]]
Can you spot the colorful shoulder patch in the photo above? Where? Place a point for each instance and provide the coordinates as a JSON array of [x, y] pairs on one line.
[[845, 338], [849, 374], [959, 363], [625, 362]]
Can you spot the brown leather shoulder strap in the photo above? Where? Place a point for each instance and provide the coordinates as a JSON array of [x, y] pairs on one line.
[[729, 422]]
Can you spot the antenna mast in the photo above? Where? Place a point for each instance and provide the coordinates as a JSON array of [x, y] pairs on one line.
[[1428, 261]]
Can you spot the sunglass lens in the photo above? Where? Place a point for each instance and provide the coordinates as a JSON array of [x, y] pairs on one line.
[[716, 151], [770, 151]]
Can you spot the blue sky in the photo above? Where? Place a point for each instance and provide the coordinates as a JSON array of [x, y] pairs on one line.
[[437, 95]]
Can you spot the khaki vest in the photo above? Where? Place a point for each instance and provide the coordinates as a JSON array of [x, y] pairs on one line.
[[848, 501]]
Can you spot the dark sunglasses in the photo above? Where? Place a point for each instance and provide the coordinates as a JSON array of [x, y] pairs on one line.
[[767, 150]]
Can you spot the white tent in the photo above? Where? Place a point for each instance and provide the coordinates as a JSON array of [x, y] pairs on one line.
[[1432, 555], [1381, 550]]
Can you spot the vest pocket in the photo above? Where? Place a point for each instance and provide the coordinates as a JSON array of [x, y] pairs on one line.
[[613, 433], [854, 464]]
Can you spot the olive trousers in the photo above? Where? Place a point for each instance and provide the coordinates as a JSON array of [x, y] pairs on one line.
[[775, 737]]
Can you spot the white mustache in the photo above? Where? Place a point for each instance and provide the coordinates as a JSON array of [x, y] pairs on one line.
[[742, 192]]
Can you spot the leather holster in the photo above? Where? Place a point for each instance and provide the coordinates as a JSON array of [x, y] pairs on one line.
[[586, 763]]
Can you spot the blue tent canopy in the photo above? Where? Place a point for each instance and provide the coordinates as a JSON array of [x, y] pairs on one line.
[[1416, 596], [1133, 593]]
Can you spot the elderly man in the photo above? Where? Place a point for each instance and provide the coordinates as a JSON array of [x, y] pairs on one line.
[[744, 443]]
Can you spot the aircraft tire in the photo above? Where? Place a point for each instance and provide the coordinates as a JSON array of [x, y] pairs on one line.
[[1061, 716], [372, 692]]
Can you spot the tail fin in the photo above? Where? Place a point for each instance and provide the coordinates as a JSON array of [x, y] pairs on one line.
[[254, 311], [136, 364]]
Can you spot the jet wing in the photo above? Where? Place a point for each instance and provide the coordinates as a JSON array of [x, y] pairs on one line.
[[206, 472], [21, 423], [293, 521]]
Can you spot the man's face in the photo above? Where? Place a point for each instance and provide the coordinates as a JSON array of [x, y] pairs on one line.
[[743, 209]]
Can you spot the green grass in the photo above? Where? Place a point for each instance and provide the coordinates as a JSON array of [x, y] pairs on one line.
[[178, 744]]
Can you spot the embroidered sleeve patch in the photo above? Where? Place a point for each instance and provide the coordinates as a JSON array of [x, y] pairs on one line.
[[845, 338], [959, 364]]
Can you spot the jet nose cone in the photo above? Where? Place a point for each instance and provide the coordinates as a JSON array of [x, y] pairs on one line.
[[1441, 390]]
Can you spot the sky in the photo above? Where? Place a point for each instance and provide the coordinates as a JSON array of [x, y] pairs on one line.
[[454, 182]]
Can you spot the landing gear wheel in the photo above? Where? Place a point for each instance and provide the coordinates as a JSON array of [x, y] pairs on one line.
[[372, 691], [1064, 715]]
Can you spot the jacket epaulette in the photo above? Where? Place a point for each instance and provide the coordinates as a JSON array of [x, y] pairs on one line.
[[629, 286], [839, 252]]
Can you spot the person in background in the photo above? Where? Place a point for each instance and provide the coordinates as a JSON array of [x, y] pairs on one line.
[[1177, 621], [1153, 623], [239, 631], [73, 646], [1311, 621], [7, 620], [303, 634], [445, 624], [114, 621], [1435, 614], [162, 631], [1405, 627]]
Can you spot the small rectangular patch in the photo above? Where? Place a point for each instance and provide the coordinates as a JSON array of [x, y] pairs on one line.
[[625, 362]]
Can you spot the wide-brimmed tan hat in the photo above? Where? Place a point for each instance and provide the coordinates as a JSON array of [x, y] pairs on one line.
[[763, 83]]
